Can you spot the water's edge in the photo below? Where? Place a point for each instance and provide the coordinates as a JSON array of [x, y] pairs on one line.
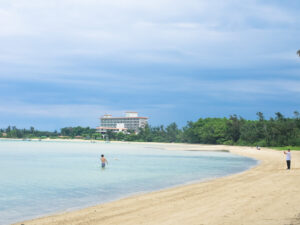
[[136, 194]]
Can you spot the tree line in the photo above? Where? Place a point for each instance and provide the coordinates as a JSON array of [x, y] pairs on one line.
[[275, 131], [14, 132], [66, 132], [235, 130]]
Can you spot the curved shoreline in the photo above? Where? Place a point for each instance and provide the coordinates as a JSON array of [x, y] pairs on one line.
[[265, 194]]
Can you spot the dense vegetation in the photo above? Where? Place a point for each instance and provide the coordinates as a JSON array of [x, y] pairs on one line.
[[277, 131], [81, 132], [13, 132], [67, 132]]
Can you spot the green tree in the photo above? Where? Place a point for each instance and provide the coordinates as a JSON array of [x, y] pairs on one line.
[[145, 134], [210, 130], [32, 130], [250, 133], [188, 133], [172, 132], [233, 128]]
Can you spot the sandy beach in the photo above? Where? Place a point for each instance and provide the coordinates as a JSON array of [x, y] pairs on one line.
[[265, 194]]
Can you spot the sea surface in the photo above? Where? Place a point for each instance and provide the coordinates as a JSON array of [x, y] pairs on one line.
[[40, 178]]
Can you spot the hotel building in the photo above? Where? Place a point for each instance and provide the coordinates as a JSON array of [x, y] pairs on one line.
[[131, 121]]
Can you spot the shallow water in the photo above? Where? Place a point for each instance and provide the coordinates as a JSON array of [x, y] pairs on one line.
[[40, 178]]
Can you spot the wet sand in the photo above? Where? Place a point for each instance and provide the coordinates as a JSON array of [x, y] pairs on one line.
[[265, 194]]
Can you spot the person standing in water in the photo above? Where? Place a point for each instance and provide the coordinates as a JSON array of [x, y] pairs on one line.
[[103, 161], [288, 158]]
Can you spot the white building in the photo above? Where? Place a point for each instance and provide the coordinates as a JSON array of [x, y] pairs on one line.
[[131, 121]]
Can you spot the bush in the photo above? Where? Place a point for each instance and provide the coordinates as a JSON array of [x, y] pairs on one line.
[[228, 142]]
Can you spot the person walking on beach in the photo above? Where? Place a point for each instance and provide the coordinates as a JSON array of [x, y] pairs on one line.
[[288, 158], [103, 161]]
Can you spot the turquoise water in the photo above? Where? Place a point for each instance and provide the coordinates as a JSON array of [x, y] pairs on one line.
[[40, 178]]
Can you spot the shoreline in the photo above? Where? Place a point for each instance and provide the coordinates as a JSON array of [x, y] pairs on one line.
[[234, 202]]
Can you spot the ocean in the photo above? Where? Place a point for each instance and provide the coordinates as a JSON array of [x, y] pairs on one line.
[[39, 178]]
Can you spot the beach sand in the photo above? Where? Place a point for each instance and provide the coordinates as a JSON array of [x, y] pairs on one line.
[[265, 194]]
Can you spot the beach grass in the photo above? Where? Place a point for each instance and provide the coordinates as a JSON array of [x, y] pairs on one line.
[[294, 148]]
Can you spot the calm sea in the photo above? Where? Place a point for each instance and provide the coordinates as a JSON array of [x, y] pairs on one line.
[[40, 178]]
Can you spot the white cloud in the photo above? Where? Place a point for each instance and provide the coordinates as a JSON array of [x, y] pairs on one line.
[[87, 45], [201, 32], [60, 111], [11, 24]]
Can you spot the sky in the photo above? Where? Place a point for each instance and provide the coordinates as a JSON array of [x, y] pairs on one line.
[[67, 63]]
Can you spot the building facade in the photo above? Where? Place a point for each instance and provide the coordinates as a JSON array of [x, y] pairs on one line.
[[131, 121]]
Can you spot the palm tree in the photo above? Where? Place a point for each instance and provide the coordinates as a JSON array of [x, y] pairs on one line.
[[298, 53]]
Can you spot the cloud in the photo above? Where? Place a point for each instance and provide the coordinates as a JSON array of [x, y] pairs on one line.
[[197, 32], [54, 111], [81, 58]]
